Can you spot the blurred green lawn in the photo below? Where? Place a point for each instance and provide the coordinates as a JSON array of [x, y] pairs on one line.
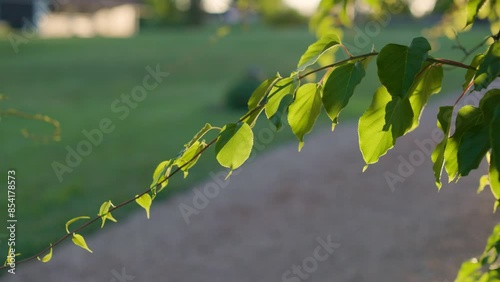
[[76, 80]]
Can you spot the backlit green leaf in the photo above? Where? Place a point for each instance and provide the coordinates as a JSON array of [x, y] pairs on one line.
[[469, 76], [489, 69], [277, 118], [190, 157], [427, 83], [304, 110], [47, 257], [104, 212], [145, 202], [80, 242], [280, 90], [444, 123], [473, 7], [234, 145], [387, 119], [398, 65], [483, 182], [160, 174], [253, 115], [317, 49], [73, 220], [339, 88], [260, 93], [467, 117], [494, 175], [200, 134], [472, 148], [469, 272]]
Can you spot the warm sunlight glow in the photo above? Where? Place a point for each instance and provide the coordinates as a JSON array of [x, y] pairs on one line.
[[420, 8], [216, 6], [305, 7]]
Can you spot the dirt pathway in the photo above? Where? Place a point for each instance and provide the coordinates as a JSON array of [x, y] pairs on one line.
[[314, 210]]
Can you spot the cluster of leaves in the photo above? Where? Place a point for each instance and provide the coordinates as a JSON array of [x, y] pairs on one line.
[[409, 76]]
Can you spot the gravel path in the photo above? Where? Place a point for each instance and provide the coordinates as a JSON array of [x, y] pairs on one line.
[[311, 213]]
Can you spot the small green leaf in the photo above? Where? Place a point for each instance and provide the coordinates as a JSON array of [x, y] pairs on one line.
[[398, 65], [277, 118], [253, 115], [145, 202], [387, 119], [472, 149], [304, 110], [260, 93], [280, 90], [160, 174], [469, 76], [444, 123], [493, 241], [104, 212], [47, 257], [473, 7], [427, 83], [489, 69], [339, 88], [467, 117], [317, 49], [494, 175], [200, 134], [73, 220], [234, 145], [80, 242], [483, 182], [190, 157], [469, 271]]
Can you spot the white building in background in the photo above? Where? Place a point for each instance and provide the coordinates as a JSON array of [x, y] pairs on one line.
[[73, 18]]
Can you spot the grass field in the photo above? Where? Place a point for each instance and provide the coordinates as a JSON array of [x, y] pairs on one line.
[[76, 82]]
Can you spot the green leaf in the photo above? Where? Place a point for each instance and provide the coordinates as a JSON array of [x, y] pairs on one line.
[[80, 242], [489, 103], [160, 174], [472, 149], [473, 7], [317, 49], [190, 157], [483, 182], [494, 175], [260, 93], [48, 256], [398, 65], [304, 110], [104, 212], [386, 119], [489, 69], [200, 134], [253, 115], [426, 84], [234, 145], [73, 220], [277, 118], [469, 272], [145, 202], [467, 117], [444, 123], [493, 241], [280, 90], [339, 88], [470, 75]]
